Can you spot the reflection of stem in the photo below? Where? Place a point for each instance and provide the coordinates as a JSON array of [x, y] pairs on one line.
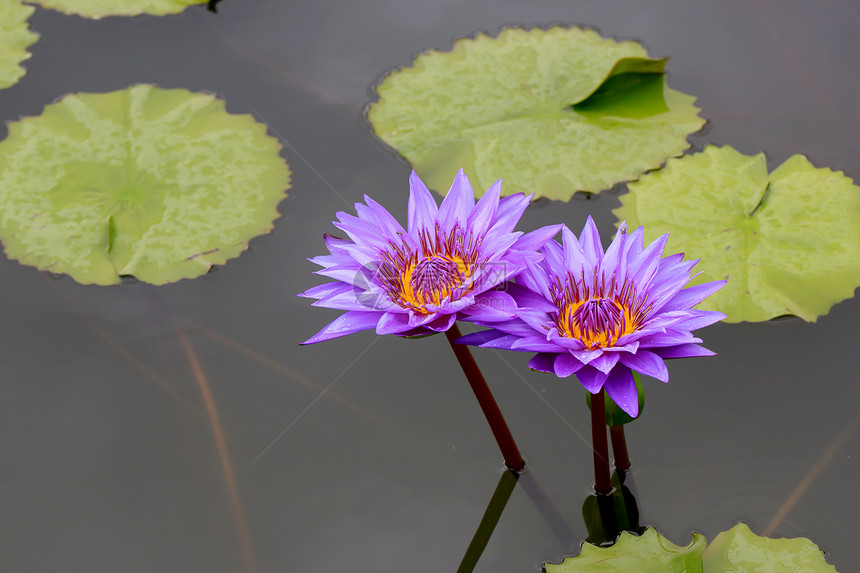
[[548, 512], [599, 444], [513, 460], [488, 523], [619, 448]]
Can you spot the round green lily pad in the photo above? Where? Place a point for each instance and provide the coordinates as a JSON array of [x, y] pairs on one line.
[[649, 552], [153, 183], [97, 9], [787, 243], [15, 38], [739, 550], [552, 111]]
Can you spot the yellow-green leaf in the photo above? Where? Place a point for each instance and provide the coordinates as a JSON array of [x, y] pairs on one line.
[[739, 550], [552, 111], [153, 183], [15, 38], [97, 9], [787, 242], [646, 553]]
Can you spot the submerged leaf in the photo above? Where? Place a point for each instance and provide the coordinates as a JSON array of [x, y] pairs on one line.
[[649, 552], [154, 183], [97, 9], [553, 111], [739, 550], [15, 38], [787, 243]]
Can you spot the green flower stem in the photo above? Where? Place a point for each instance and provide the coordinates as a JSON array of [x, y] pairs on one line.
[[497, 504], [513, 460], [600, 445], [619, 448]]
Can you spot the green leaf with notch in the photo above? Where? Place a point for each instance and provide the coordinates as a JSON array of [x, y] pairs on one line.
[[552, 111], [153, 183], [646, 553], [787, 242]]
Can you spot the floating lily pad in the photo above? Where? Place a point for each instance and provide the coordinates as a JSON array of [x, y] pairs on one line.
[[552, 111], [97, 9], [739, 550], [15, 38], [154, 183], [649, 552], [787, 243]]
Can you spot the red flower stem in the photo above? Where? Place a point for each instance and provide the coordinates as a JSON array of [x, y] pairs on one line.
[[513, 460], [599, 444], [619, 448]]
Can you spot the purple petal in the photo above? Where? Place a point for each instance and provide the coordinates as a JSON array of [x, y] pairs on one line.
[[683, 351], [589, 240], [443, 323], [482, 215], [422, 207], [326, 289], [458, 203], [565, 365], [609, 265], [647, 363], [690, 297], [543, 362], [591, 379], [480, 337], [347, 323], [534, 344], [605, 362], [621, 387], [536, 239], [393, 323], [492, 306], [643, 269]]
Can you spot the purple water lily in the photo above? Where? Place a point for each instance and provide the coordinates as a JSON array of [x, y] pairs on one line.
[[420, 280], [603, 315]]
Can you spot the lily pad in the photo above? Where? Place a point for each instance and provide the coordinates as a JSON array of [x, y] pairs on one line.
[[788, 243], [646, 553], [739, 550], [154, 183], [552, 111], [15, 38], [97, 9]]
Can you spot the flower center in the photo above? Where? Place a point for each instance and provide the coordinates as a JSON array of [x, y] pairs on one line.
[[597, 322], [442, 264]]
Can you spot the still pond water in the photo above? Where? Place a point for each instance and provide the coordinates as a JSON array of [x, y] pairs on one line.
[[109, 462]]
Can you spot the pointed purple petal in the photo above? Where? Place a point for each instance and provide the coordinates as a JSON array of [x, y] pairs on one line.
[[565, 365], [422, 207], [542, 362], [482, 215], [647, 363], [458, 203], [347, 323], [605, 362], [393, 323], [621, 387], [591, 379], [589, 241], [683, 351], [690, 297]]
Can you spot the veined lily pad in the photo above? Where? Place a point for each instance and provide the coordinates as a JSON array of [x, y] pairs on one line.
[[15, 37], [154, 183], [739, 550], [97, 9], [647, 553], [552, 111], [787, 243]]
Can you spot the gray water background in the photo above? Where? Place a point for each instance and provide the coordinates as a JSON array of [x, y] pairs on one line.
[[108, 461]]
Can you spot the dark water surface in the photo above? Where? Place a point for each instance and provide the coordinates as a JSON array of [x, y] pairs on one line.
[[109, 461]]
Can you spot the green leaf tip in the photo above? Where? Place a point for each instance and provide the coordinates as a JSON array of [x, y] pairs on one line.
[[97, 9], [646, 553], [739, 550], [159, 184], [15, 38], [787, 243], [553, 111]]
